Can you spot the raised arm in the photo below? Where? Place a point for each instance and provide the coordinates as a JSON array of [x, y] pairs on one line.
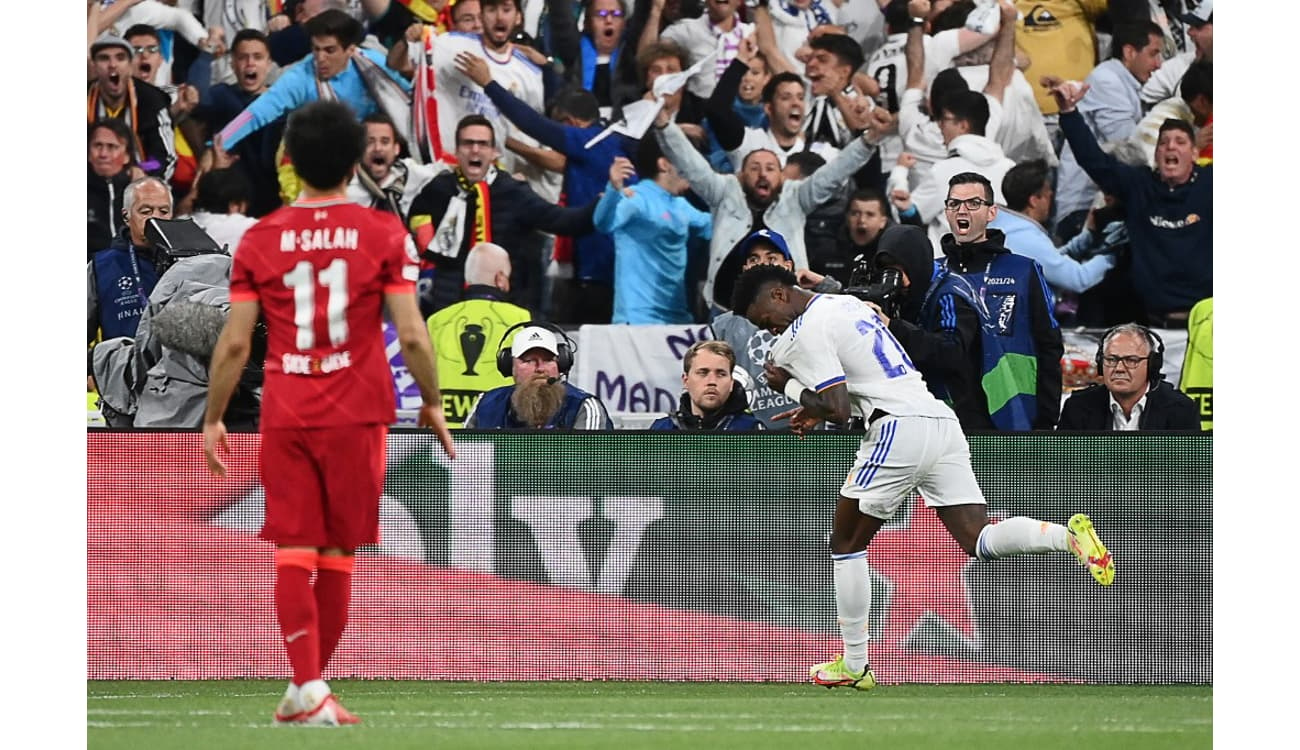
[[706, 183], [548, 217], [828, 182], [650, 34], [914, 49], [777, 62], [1109, 173], [547, 132], [1003, 65], [566, 40], [727, 126], [613, 208], [288, 93]]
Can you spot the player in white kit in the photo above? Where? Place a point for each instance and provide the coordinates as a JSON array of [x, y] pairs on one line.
[[835, 357]]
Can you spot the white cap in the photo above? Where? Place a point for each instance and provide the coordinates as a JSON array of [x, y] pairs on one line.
[[534, 337]]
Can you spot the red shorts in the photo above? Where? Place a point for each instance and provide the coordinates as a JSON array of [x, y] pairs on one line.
[[323, 485]]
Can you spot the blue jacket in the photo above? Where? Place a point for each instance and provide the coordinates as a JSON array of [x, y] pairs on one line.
[[121, 278], [493, 411], [1020, 341], [296, 86], [585, 173], [650, 230], [1170, 229]]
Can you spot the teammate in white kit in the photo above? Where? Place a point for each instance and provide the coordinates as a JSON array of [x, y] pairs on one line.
[[835, 357]]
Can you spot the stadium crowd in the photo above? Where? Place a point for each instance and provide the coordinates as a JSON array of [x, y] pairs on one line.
[[621, 162]]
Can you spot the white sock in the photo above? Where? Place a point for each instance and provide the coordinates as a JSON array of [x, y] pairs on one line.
[[852, 605], [312, 692], [1019, 535]]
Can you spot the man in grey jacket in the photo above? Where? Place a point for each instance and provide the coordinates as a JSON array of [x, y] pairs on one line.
[[758, 197]]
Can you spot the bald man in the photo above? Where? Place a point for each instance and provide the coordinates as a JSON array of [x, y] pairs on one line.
[[466, 334]]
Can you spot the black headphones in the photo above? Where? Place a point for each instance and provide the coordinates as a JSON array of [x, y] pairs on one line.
[[1155, 360], [563, 358]]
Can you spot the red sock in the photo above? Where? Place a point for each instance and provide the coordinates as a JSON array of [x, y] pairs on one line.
[[295, 609], [333, 591]]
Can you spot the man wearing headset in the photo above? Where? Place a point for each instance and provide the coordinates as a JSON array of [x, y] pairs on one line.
[[539, 358], [1132, 394]]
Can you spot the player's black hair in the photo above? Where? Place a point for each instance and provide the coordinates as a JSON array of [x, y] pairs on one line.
[[576, 102], [471, 120], [972, 178], [647, 158], [969, 106], [140, 29], [1198, 81], [807, 162], [952, 17], [1022, 182], [324, 141], [380, 117], [1136, 35], [336, 23], [752, 280], [769, 88], [843, 46], [250, 35], [219, 188]]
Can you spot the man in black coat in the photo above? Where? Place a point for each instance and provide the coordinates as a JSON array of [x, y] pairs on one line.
[[475, 203], [1133, 394], [108, 173]]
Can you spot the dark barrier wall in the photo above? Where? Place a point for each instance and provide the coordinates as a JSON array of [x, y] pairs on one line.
[[658, 556]]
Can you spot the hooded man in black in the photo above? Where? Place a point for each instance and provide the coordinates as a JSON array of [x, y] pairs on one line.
[[949, 353]]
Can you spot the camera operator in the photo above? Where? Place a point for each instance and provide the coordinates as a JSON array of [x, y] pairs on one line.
[[976, 323], [941, 346], [159, 376]]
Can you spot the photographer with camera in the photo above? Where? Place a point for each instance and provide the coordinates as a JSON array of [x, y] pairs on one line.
[[978, 323], [159, 376]]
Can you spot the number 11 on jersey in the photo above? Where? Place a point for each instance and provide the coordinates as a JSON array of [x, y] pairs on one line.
[[334, 278]]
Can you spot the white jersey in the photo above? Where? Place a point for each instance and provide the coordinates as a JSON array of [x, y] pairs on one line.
[[458, 96], [840, 339], [888, 64], [756, 138]]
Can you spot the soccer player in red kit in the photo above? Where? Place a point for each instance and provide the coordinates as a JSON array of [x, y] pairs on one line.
[[320, 271]]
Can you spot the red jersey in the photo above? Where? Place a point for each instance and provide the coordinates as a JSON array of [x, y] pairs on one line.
[[319, 269]]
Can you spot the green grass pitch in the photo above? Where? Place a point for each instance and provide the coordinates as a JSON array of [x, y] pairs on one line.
[[235, 714]]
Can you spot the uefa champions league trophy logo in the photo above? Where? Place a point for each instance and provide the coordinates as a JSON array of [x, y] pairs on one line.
[[472, 340]]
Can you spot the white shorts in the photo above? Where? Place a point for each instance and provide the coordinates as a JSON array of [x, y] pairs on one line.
[[899, 455]]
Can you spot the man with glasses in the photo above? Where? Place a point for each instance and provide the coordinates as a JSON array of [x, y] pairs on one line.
[[979, 324], [475, 202], [1133, 394]]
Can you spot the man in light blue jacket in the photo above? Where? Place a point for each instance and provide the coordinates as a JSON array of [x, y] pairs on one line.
[[651, 224], [336, 69]]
